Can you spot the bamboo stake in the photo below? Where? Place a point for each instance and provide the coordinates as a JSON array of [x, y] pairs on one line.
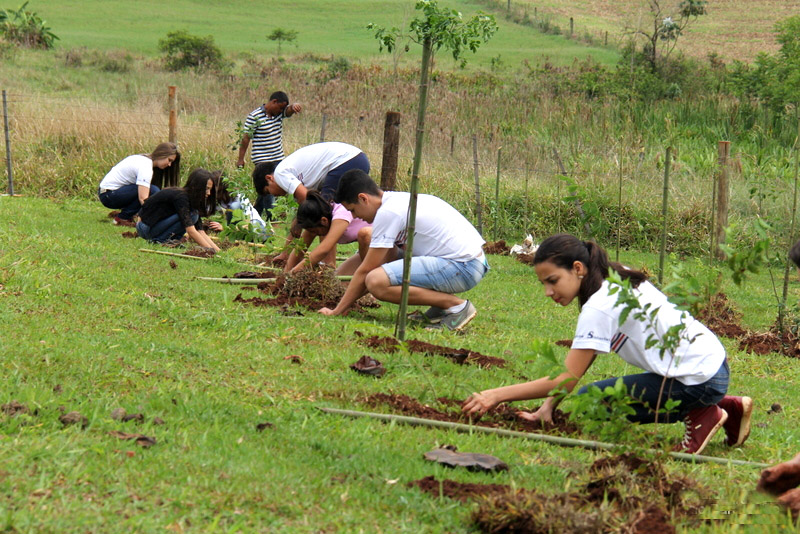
[[555, 440], [164, 252], [664, 212]]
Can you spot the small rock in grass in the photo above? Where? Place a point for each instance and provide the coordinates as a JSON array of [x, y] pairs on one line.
[[158, 421], [118, 414], [74, 418], [471, 460], [775, 408]]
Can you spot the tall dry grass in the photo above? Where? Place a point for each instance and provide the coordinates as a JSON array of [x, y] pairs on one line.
[[65, 143]]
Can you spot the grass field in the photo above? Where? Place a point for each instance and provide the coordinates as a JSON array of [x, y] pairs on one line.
[[241, 27], [733, 29], [90, 324]]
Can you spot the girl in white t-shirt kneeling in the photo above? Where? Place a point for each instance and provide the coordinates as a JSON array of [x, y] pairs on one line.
[[696, 373]]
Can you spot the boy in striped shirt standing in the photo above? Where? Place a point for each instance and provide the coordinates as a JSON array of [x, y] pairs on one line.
[[264, 126]]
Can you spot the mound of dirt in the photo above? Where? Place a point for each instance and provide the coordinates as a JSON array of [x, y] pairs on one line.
[[130, 235], [525, 258], [460, 356], [632, 495], [503, 416], [721, 318], [766, 342], [496, 247], [200, 252], [313, 289]]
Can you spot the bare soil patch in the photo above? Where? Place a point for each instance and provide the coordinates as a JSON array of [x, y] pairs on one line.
[[460, 356], [721, 318], [200, 252], [130, 235], [525, 258], [616, 494], [313, 289], [787, 344], [503, 416], [497, 247]]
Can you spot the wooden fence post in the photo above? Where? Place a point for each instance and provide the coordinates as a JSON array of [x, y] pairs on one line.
[[391, 145], [723, 195], [452, 144], [322, 129], [8, 146], [477, 183], [173, 114], [571, 26]]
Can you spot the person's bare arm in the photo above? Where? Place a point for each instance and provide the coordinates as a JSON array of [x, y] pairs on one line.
[[201, 238], [300, 193], [243, 150], [577, 362], [144, 193], [291, 109], [358, 286], [329, 242]]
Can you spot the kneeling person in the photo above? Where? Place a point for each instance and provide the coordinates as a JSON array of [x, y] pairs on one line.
[[447, 254]]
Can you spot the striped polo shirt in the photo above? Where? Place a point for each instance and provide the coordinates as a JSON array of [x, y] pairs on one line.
[[267, 136]]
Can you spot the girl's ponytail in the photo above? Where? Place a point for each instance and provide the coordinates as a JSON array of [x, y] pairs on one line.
[[563, 250]]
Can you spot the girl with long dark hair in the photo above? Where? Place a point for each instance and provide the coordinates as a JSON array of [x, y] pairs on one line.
[[695, 373], [334, 225], [135, 178], [175, 211]]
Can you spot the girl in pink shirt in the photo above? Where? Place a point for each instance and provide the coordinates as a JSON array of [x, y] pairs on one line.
[[333, 224]]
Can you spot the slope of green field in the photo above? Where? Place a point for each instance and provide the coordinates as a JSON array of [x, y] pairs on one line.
[[324, 27]]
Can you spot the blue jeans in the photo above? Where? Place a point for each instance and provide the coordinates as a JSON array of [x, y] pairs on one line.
[[168, 228], [331, 182], [645, 387], [125, 199], [439, 274]]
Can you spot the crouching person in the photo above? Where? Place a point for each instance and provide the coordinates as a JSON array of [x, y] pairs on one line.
[[447, 254], [175, 211]]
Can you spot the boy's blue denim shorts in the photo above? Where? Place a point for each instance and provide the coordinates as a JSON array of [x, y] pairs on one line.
[[439, 274]]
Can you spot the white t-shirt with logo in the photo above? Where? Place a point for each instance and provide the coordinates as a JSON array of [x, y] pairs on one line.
[[598, 328], [441, 231], [311, 164], [136, 169]]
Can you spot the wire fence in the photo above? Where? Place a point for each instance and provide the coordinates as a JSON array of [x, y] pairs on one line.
[[523, 185]]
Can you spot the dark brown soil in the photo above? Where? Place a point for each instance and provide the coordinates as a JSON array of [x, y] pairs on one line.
[[503, 416], [721, 318], [172, 264], [367, 365], [14, 408], [764, 343], [459, 491], [496, 247], [130, 235], [311, 289], [527, 259], [254, 274], [74, 418], [269, 260], [460, 356], [260, 427], [631, 495], [200, 253], [141, 439], [564, 343], [112, 214]]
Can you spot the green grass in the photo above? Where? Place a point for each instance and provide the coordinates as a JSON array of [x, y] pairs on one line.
[[325, 27], [90, 324]]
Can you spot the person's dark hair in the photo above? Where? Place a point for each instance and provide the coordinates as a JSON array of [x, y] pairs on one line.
[[219, 193], [280, 96], [312, 210], [794, 254], [354, 182], [195, 187], [170, 175], [563, 250], [260, 175]]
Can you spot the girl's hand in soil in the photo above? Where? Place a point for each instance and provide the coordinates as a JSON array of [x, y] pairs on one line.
[[479, 403], [544, 415], [328, 311], [214, 225]]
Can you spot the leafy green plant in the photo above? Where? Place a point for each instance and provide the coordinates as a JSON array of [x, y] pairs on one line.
[[604, 412], [183, 50], [282, 35], [26, 28]]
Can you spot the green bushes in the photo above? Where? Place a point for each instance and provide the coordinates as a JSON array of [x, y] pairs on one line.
[[183, 50], [26, 28]]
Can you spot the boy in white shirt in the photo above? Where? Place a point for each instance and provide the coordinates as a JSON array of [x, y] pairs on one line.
[[447, 252]]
